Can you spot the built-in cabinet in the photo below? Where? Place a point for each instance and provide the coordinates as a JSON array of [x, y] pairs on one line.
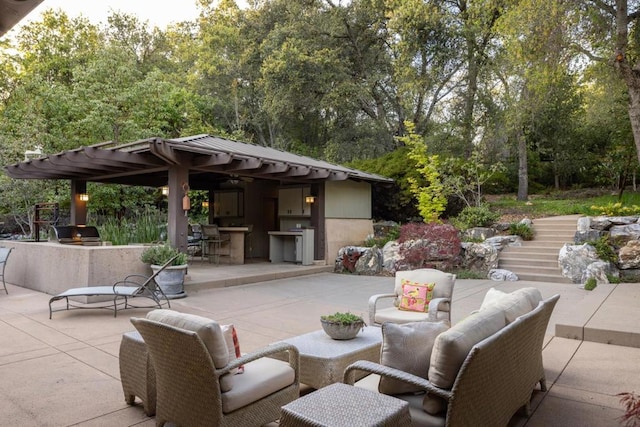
[[291, 201], [228, 204]]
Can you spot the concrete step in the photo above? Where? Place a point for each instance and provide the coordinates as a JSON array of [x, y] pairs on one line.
[[537, 259], [518, 262], [551, 278]]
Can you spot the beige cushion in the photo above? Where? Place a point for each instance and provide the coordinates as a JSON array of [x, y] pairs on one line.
[[407, 347], [392, 314], [513, 304], [452, 346], [261, 378], [444, 281], [208, 330]]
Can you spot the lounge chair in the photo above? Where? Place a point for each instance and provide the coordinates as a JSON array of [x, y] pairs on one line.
[[133, 286], [4, 256]]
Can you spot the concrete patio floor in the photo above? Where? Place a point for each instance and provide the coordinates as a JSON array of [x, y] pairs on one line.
[[64, 371]]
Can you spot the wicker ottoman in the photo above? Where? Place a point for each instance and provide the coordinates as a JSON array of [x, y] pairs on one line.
[[136, 372], [345, 405]]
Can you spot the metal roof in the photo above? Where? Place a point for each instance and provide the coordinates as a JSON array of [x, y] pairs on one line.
[[209, 159], [12, 11]]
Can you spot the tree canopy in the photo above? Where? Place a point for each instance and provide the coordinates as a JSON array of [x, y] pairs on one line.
[[545, 89]]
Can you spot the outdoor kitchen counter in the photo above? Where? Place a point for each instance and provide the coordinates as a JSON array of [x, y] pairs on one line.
[[234, 254]]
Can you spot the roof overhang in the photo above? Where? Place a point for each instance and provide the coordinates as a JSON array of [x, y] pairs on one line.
[[209, 159], [12, 11]]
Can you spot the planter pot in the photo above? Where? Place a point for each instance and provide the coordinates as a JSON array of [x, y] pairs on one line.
[[171, 279], [339, 331]]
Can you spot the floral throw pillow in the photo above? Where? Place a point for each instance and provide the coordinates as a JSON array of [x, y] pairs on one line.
[[416, 296]]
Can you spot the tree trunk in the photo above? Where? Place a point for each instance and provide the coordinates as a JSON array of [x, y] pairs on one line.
[[523, 174]]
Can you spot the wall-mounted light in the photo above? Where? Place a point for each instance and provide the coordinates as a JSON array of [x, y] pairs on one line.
[[84, 197], [310, 199], [205, 204], [165, 190]]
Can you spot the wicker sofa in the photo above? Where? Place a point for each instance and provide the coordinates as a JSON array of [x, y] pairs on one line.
[[482, 370]]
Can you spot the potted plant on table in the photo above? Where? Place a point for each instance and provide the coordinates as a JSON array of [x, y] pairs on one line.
[[342, 326], [171, 279]]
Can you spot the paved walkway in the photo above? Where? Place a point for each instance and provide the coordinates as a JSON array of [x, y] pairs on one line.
[[64, 371]]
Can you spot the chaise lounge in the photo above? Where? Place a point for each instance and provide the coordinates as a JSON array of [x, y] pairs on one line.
[[133, 286]]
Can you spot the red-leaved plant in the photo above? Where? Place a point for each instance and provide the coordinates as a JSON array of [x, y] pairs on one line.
[[631, 402], [428, 246]]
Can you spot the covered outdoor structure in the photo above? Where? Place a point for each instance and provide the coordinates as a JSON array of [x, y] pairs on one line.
[[253, 177], [12, 11]]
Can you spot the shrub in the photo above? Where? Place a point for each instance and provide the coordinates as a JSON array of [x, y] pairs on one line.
[[604, 249], [631, 402], [590, 284], [428, 245], [613, 279], [393, 234], [160, 254], [475, 216], [615, 209], [521, 229]]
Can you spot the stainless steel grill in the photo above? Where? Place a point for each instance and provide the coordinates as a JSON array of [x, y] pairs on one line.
[[75, 235]]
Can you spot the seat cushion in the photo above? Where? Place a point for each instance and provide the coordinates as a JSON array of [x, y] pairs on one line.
[[407, 347], [261, 378], [208, 330], [452, 346], [393, 314]]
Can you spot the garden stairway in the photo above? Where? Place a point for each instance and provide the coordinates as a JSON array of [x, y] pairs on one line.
[[537, 259]]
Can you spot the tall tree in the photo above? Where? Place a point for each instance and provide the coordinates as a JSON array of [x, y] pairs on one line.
[[610, 33]]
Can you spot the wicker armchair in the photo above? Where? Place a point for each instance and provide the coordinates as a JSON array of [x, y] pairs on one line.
[[188, 383], [439, 307]]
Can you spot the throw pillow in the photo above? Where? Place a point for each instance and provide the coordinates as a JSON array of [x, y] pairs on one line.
[[416, 296], [407, 347], [233, 346]]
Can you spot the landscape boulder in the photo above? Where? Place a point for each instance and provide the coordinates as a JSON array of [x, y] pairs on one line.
[[574, 260], [500, 274]]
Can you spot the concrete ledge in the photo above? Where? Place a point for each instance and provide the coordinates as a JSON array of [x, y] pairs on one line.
[[53, 268], [603, 316]]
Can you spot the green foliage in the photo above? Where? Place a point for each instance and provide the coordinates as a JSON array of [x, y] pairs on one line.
[[590, 284], [475, 216], [521, 229], [429, 190], [470, 274], [145, 226], [393, 234], [393, 202], [615, 209], [160, 254], [613, 279], [465, 178], [604, 249], [342, 318]]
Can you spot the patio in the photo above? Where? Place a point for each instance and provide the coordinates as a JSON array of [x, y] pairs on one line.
[[65, 371]]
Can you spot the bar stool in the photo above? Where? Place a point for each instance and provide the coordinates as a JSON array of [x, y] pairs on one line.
[[212, 241], [248, 241]]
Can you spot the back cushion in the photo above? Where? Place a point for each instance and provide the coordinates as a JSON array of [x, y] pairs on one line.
[[452, 347], [407, 347], [208, 330], [444, 281], [513, 304]]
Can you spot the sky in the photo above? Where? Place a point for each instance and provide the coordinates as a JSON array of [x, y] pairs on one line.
[[158, 13]]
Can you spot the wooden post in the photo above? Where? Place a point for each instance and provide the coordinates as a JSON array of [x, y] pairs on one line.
[[178, 222], [78, 207]]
